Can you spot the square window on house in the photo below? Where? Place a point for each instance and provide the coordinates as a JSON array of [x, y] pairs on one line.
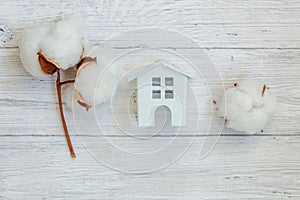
[[169, 94], [169, 81], [156, 94], [156, 81]]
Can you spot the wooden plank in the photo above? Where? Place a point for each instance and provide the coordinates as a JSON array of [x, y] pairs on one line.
[[206, 36], [126, 12], [237, 168], [221, 24], [31, 102]]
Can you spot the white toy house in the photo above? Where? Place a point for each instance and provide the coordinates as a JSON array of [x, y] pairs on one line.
[[161, 84]]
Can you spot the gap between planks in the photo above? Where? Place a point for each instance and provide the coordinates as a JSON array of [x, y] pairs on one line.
[[204, 48], [164, 136]]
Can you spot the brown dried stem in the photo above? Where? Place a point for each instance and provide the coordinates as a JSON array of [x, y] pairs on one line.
[[58, 88]]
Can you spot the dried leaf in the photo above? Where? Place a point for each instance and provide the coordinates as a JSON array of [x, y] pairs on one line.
[[226, 121], [48, 66], [84, 62], [263, 90], [81, 101], [87, 106], [82, 51]]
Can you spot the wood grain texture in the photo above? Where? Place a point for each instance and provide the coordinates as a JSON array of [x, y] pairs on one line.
[[256, 39], [256, 168]]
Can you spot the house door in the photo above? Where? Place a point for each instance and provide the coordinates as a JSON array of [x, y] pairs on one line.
[[163, 116]]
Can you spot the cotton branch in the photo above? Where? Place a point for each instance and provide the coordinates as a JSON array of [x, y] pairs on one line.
[[58, 89]]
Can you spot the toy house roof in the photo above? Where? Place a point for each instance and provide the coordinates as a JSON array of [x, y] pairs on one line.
[[147, 68]]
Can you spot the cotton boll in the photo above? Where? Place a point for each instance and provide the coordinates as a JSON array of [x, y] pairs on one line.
[[68, 26], [95, 82], [29, 46], [248, 106], [61, 42]]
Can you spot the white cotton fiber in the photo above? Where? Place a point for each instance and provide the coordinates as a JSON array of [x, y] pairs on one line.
[[29, 45], [245, 107], [61, 42], [96, 82]]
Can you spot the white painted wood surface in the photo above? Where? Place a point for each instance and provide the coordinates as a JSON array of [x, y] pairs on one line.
[[257, 39]]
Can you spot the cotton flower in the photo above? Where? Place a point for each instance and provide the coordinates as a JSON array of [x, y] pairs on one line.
[[60, 43], [97, 78], [47, 49], [247, 106]]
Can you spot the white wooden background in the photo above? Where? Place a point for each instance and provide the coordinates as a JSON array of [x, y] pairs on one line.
[[244, 38]]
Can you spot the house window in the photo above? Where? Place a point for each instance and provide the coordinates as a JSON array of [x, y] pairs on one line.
[[156, 81], [156, 94], [169, 81], [169, 94]]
